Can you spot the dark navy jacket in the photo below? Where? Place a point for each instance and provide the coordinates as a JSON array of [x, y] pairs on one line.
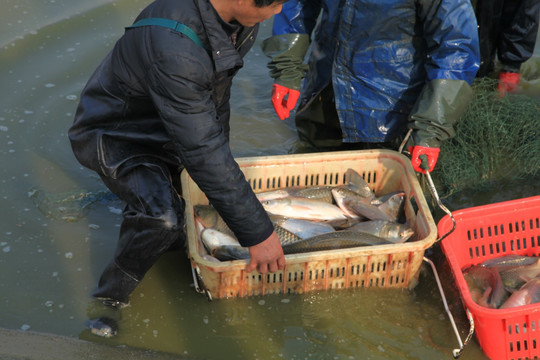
[[159, 94]]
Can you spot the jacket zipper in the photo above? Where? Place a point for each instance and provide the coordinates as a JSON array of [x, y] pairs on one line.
[[245, 39]]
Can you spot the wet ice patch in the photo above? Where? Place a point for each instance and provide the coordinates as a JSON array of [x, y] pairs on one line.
[[3, 128], [25, 327]]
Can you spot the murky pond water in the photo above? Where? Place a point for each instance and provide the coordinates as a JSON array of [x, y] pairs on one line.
[[49, 266]]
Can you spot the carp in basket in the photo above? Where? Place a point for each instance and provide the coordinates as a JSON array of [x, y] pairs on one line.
[[505, 282], [315, 219]]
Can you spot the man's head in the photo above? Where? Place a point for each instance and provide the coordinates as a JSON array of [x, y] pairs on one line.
[[247, 12]]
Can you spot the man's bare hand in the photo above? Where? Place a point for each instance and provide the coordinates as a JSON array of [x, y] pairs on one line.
[[267, 256]]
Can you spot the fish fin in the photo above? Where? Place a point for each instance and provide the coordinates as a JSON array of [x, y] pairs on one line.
[[484, 299]]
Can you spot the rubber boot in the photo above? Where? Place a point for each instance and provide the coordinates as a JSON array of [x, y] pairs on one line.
[[103, 319]]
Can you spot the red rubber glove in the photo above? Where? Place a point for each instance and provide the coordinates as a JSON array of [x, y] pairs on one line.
[[284, 106], [431, 153], [508, 82]]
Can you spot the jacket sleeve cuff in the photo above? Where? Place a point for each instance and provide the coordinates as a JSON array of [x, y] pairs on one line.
[[287, 54], [263, 233], [439, 107]]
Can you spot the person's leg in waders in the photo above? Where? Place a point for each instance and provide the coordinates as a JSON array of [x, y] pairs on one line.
[[317, 121], [317, 124], [153, 223]]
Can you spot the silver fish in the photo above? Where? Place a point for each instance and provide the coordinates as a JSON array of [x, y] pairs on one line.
[[272, 194], [352, 177], [208, 216], [529, 293], [218, 233], [303, 208], [351, 203], [485, 286], [393, 204], [390, 230], [212, 239]]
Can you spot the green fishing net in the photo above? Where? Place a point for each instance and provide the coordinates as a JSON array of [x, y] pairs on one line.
[[497, 139]]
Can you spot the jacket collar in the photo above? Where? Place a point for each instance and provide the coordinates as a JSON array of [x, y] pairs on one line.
[[223, 52]]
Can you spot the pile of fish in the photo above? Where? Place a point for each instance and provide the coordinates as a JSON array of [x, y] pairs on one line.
[[505, 282], [316, 218]]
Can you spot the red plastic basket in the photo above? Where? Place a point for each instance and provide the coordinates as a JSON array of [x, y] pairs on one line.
[[486, 232]]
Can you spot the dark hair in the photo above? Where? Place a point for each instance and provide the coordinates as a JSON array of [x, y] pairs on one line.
[[263, 3]]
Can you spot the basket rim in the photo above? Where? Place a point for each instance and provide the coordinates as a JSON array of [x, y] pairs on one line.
[[450, 253], [279, 160]]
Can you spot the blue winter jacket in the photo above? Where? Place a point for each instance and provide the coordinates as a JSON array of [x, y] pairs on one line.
[[379, 54]]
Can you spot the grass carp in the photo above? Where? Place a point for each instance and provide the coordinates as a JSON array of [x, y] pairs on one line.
[[389, 230], [304, 228], [321, 193], [509, 261], [515, 277], [335, 240], [228, 252]]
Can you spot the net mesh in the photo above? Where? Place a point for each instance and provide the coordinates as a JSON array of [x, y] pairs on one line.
[[497, 139]]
